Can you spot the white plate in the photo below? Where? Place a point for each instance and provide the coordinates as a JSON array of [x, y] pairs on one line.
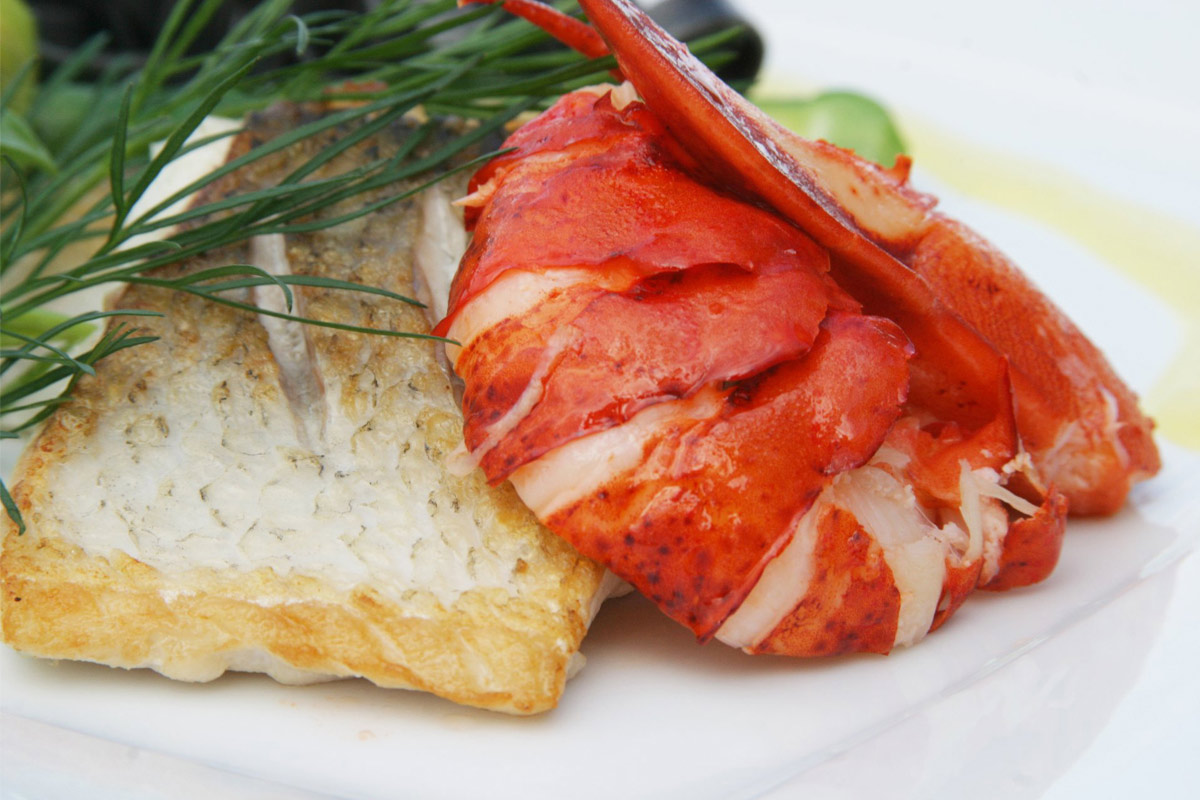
[[654, 715], [1016, 691]]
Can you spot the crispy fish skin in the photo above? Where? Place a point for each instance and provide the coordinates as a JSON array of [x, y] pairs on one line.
[[206, 503]]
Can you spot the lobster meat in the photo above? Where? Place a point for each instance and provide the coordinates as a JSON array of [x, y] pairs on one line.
[[762, 379]]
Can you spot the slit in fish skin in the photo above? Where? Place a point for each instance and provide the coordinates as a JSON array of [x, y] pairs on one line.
[[299, 372]]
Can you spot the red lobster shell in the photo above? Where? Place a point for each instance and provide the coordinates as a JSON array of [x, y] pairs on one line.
[[760, 378]]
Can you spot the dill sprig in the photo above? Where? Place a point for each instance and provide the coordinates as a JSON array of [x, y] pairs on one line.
[[76, 185]]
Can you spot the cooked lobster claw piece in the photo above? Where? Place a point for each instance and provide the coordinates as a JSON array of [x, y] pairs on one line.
[[960, 301], [760, 378]]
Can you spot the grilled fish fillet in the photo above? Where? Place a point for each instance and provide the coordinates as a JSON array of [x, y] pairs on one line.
[[251, 494]]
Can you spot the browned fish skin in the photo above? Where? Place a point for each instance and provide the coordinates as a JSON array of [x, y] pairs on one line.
[[188, 513]]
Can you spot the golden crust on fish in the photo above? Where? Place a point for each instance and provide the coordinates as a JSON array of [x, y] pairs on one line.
[[251, 495]]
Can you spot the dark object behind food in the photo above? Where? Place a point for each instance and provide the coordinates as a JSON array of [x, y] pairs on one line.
[[132, 26]]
